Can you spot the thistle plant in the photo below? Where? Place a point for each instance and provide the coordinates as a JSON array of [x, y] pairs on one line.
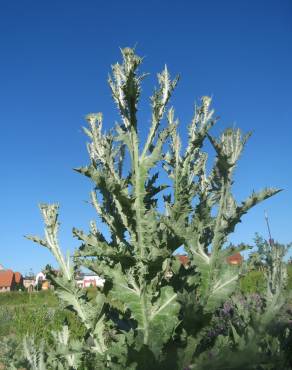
[[153, 312], [250, 331]]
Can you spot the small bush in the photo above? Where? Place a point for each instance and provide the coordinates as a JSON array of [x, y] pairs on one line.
[[253, 282]]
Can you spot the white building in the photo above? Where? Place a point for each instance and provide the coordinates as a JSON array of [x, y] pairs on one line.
[[90, 280], [40, 278]]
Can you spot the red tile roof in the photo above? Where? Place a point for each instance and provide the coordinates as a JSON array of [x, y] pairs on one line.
[[235, 259], [17, 277], [183, 259], [6, 278]]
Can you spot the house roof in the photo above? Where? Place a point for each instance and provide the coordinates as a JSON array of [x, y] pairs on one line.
[[234, 259], [6, 278], [17, 277], [183, 259]]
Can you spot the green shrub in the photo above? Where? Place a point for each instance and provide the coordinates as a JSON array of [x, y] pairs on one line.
[[253, 282]]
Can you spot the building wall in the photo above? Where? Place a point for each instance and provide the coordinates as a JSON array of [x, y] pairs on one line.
[[28, 282], [90, 281], [4, 289]]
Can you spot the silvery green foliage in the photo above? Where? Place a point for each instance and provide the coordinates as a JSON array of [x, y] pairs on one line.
[[271, 256], [34, 356], [152, 312], [64, 353], [11, 353], [249, 332]]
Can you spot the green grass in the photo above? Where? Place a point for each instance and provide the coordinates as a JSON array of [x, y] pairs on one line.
[[36, 314], [36, 298]]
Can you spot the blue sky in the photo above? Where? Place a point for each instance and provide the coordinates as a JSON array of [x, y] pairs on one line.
[[55, 58]]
